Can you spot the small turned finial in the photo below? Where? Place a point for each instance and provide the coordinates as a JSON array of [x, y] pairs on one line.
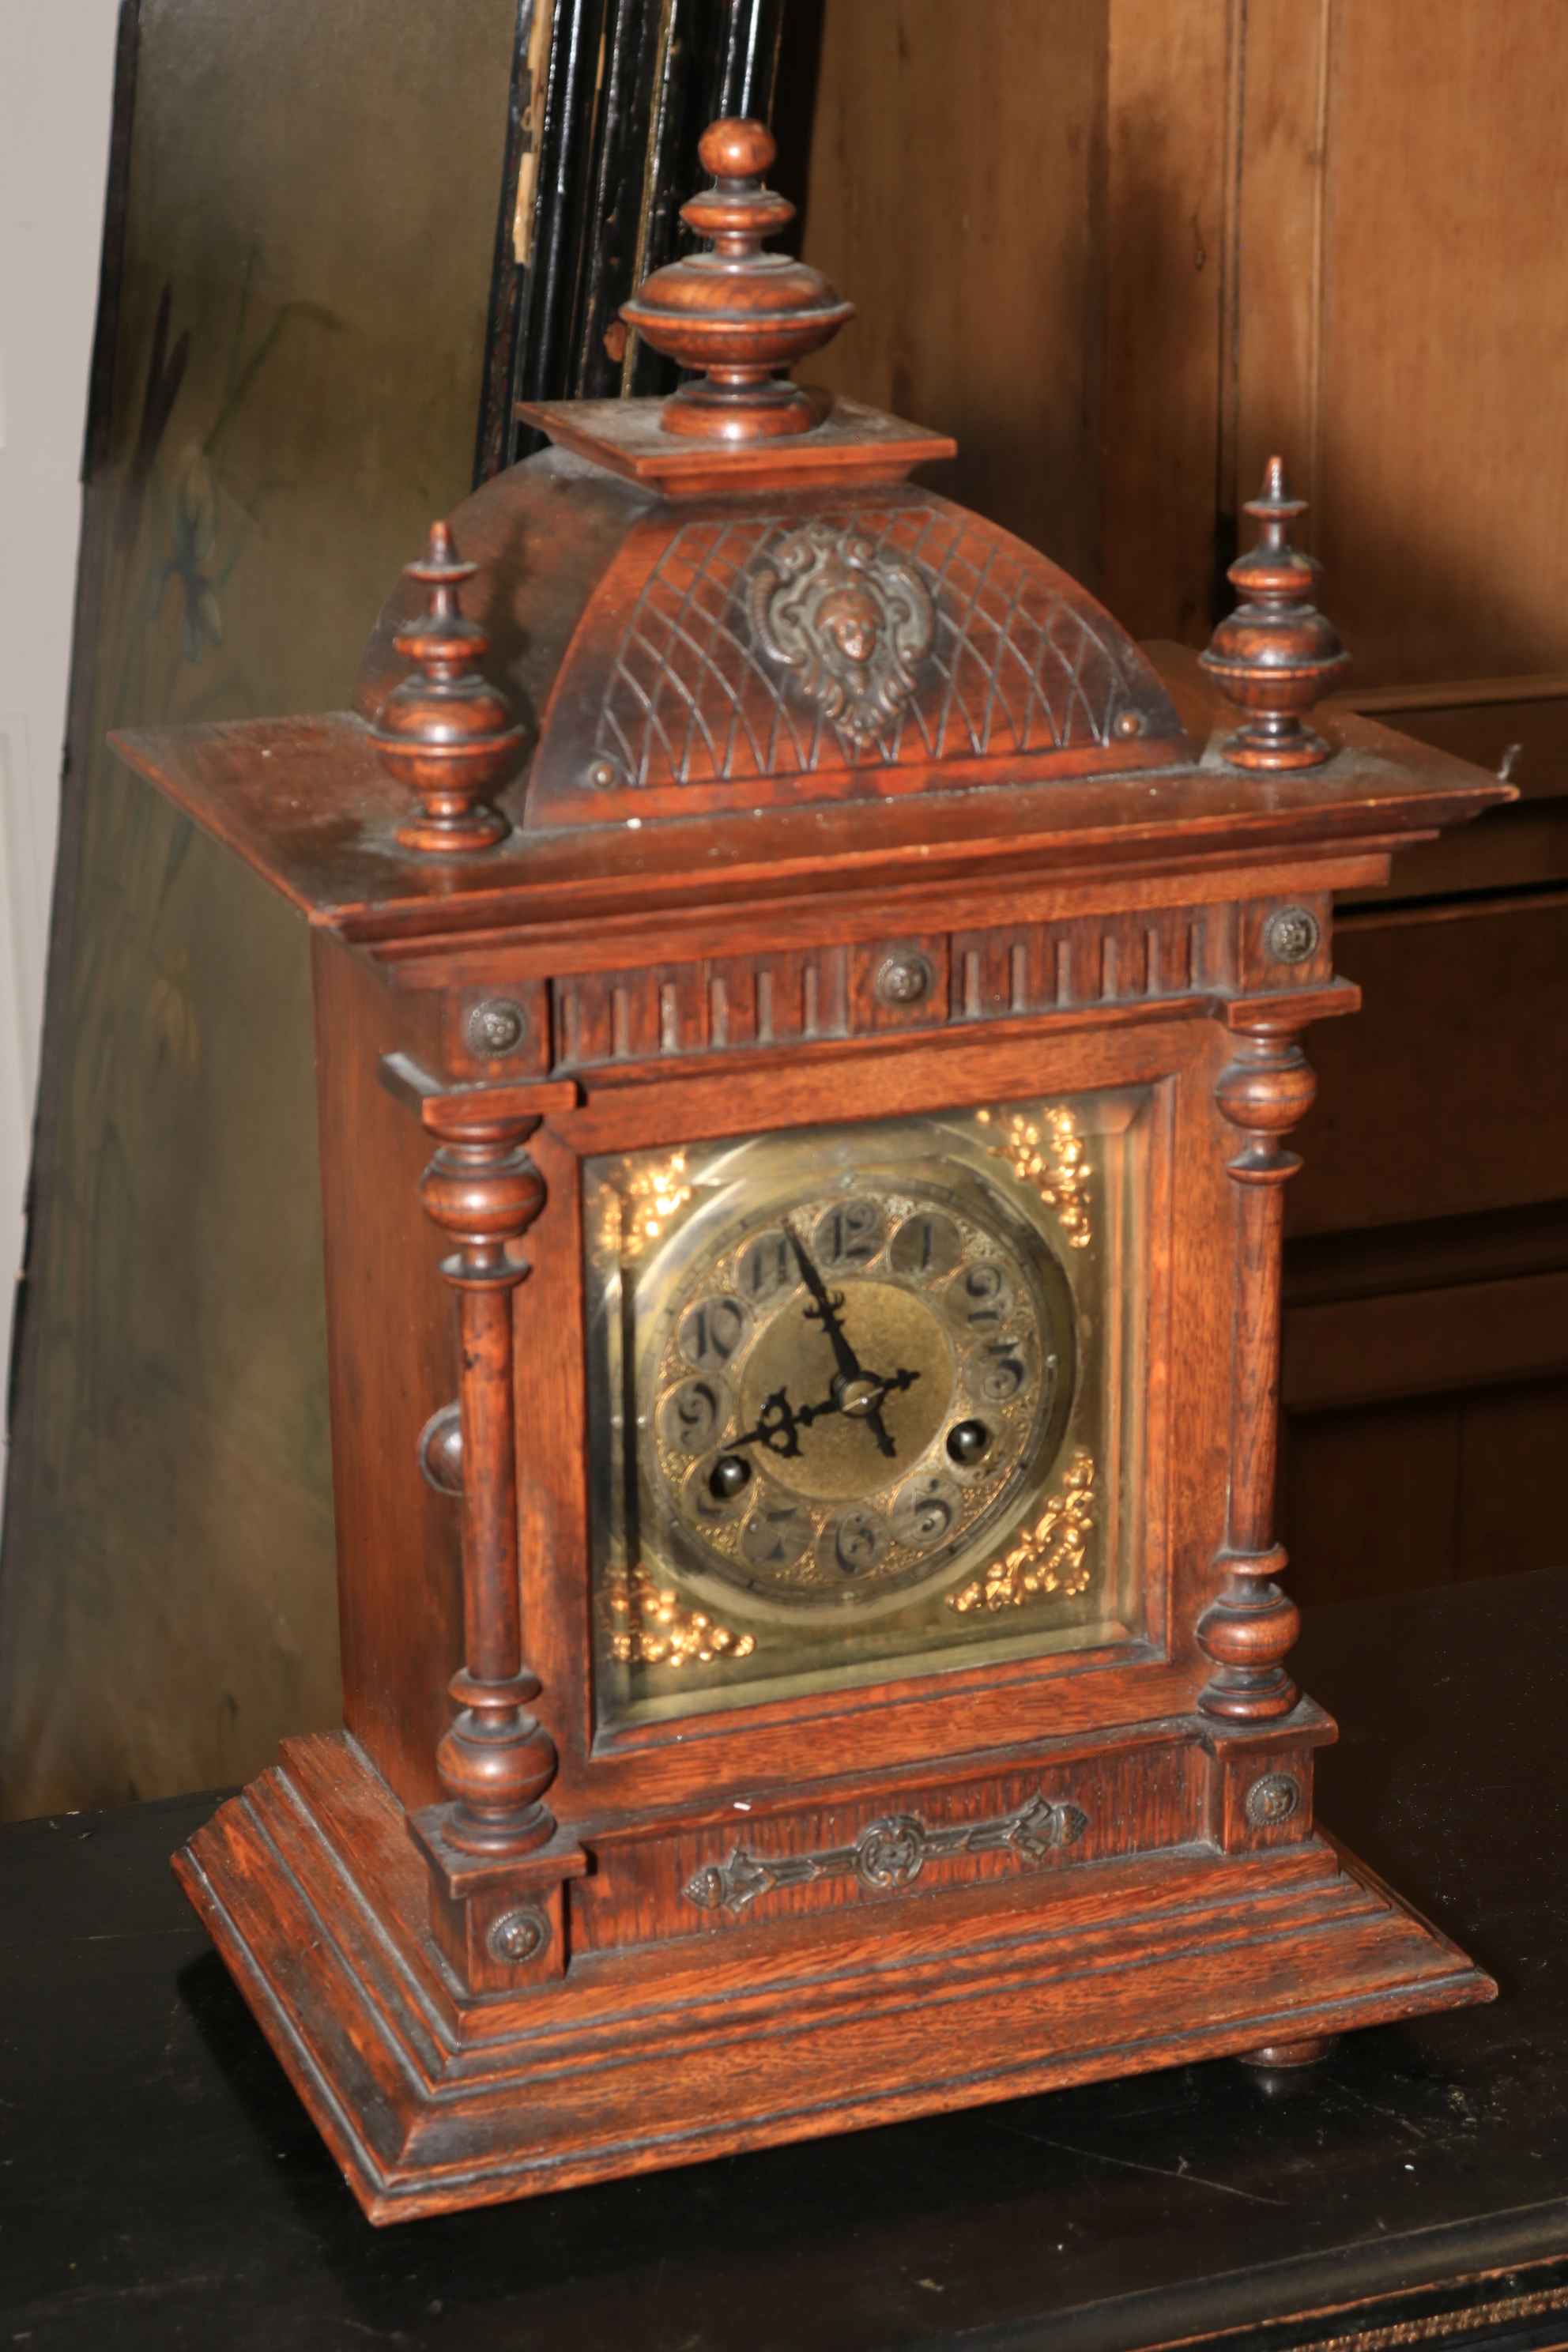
[[737, 312], [1276, 655], [445, 732]]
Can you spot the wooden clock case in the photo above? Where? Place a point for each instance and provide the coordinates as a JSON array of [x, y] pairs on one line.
[[472, 1938]]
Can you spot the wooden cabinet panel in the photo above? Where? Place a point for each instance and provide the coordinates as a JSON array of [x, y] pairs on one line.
[[1442, 316], [1449, 1093], [1510, 1480], [1399, 213], [1435, 1490], [1355, 1350], [954, 188], [1368, 1501], [1488, 720], [1168, 183]]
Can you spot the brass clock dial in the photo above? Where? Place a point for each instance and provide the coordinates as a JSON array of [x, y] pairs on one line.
[[862, 1397], [848, 1386]]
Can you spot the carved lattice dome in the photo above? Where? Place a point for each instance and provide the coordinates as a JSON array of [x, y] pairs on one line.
[[736, 599]]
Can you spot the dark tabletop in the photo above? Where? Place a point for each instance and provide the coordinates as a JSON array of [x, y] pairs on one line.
[[160, 2185]]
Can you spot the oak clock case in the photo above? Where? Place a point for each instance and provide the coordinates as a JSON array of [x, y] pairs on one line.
[[808, 1024]]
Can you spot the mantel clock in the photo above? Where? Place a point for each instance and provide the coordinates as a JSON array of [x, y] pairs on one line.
[[808, 1015]]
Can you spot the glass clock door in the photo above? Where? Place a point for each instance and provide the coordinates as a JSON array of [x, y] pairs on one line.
[[863, 1400]]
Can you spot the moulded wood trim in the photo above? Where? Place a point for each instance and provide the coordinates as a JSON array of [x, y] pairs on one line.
[[1425, 1342], [750, 1748], [547, 950], [1465, 910], [439, 1105], [628, 1111], [1453, 694]]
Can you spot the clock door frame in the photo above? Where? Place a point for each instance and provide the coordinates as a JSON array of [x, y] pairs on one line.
[[994, 1703]]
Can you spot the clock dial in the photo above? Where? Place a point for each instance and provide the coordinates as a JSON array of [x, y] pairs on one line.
[[848, 1388], [859, 1399]]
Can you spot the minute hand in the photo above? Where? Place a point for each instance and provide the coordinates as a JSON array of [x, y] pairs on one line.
[[825, 1312], [826, 1309]]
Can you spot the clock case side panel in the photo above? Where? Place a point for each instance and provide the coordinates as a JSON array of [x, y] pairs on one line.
[[392, 1350], [705, 1762]]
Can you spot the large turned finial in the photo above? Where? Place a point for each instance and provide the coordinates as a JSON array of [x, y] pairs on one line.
[[445, 732], [737, 312], [1277, 653]]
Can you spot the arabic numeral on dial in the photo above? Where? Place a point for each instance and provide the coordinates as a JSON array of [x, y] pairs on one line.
[[924, 1513], [926, 1246], [693, 1415], [856, 1540], [982, 1296], [848, 1235], [767, 1265], [712, 1331], [776, 1536], [1001, 1370]]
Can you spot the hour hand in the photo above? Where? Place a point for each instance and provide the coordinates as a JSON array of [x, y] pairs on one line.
[[778, 1427], [779, 1424]]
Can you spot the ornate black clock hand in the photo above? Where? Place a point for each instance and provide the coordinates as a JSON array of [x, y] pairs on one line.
[[863, 1400], [866, 1406], [779, 1424], [826, 1308], [873, 1416]]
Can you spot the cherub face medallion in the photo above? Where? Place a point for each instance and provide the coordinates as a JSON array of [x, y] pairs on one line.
[[852, 624]]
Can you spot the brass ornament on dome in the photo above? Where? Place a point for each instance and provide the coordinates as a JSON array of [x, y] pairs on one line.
[[852, 625]]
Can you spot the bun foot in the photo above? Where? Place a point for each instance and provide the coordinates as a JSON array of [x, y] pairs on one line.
[[1275, 2054]]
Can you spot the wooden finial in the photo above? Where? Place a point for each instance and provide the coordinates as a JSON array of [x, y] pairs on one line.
[[445, 732], [1276, 655], [737, 312]]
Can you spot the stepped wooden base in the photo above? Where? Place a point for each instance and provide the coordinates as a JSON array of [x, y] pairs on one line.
[[313, 1891]]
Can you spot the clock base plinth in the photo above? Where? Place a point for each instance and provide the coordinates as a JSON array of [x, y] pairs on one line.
[[663, 2055]]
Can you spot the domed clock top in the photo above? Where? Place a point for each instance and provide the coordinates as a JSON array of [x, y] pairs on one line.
[[699, 642]]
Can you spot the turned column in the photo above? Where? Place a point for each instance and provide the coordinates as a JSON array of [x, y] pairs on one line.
[[1249, 1630], [497, 1759], [497, 1862]]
